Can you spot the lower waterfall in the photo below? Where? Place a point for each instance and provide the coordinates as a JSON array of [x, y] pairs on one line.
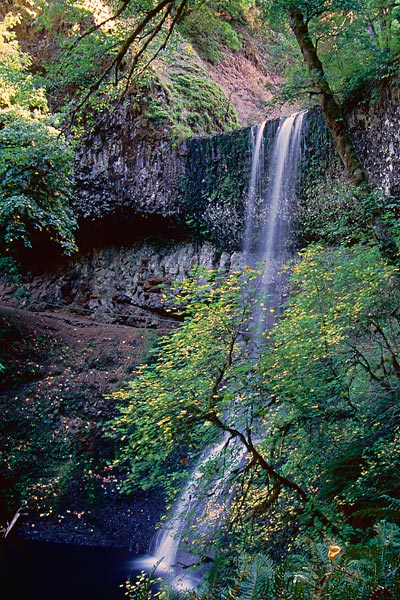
[[195, 507], [265, 247]]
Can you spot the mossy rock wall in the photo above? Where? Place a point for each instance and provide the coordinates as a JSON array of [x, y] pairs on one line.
[[216, 182], [214, 187]]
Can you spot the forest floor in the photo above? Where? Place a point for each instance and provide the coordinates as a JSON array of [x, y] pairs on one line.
[[53, 399]]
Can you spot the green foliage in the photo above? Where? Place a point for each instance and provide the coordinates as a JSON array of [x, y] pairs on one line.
[[165, 411], [210, 35], [143, 586], [332, 218], [36, 182], [385, 507], [192, 104], [77, 61], [325, 387], [255, 579], [175, 91], [358, 570], [333, 369], [365, 572], [35, 161], [85, 67], [355, 44], [357, 52], [17, 86]]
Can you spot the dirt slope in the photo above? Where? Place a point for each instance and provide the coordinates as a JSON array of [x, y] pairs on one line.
[[59, 367]]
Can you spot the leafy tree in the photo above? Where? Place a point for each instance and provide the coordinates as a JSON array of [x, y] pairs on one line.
[[35, 161], [128, 36], [197, 386], [333, 369], [315, 25], [197, 372], [203, 383], [314, 413], [347, 37]]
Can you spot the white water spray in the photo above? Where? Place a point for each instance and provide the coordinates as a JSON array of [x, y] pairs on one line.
[[196, 507], [255, 186], [266, 240]]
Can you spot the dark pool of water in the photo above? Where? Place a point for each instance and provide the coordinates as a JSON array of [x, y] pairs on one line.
[[47, 571]]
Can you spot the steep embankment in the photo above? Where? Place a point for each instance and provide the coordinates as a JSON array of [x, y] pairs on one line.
[[59, 368], [249, 78]]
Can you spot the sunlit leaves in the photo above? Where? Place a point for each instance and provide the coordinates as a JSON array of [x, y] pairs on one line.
[[17, 85], [35, 161], [333, 369], [199, 368]]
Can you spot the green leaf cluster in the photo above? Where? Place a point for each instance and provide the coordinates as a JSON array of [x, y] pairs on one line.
[[210, 34], [191, 104], [333, 368], [198, 370], [35, 160], [364, 571]]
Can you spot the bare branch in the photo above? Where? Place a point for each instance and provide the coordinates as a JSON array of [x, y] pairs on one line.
[[164, 9], [160, 48]]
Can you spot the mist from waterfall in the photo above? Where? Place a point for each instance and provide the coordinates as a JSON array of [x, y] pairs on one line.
[[196, 509]]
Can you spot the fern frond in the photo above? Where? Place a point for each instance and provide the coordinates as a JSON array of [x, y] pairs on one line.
[[383, 508], [258, 580]]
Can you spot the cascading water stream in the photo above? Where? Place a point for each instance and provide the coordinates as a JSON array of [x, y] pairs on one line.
[[265, 242], [266, 232], [193, 507], [255, 185]]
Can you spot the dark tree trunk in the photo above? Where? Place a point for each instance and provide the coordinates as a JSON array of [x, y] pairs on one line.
[[337, 123], [334, 115]]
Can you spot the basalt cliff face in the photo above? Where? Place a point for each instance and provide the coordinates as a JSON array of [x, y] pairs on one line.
[[127, 165], [120, 284], [150, 210], [375, 126]]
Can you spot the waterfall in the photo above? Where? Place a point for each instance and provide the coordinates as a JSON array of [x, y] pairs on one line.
[[255, 186], [267, 212], [195, 507], [265, 242]]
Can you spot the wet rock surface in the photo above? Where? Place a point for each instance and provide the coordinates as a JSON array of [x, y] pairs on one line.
[[375, 126], [111, 521], [117, 284], [127, 161]]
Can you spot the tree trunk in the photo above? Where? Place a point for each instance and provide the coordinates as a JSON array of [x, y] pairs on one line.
[[334, 115], [338, 126]]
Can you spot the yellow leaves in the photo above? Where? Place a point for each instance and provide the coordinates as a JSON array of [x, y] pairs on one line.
[[163, 421], [333, 552]]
